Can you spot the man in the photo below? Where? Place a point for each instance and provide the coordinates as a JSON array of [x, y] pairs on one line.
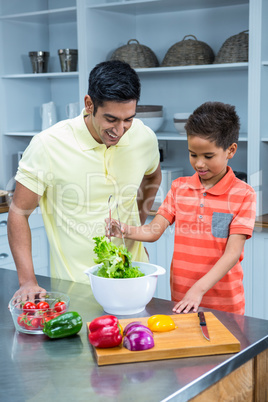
[[73, 167]]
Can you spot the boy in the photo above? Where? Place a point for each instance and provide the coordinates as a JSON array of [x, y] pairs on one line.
[[214, 213]]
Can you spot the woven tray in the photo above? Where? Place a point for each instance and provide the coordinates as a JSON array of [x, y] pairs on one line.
[[188, 52], [234, 49], [136, 55]]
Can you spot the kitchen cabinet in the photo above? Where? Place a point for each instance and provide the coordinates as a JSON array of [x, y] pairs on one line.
[[160, 253], [96, 28], [259, 275], [40, 248]]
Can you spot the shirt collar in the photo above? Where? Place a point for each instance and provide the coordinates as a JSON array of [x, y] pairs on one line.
[[220, 188], [86, 140]]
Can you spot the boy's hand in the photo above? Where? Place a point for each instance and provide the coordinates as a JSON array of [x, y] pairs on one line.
[[191, 300], [113, 228]]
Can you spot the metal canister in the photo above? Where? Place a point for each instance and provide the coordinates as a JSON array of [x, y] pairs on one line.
[[68, 59], [39, 61]]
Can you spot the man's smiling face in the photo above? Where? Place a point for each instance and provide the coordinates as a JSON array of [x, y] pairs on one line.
[[111, 120]]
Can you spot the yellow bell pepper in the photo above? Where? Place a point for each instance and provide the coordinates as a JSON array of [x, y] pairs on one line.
[[161, 323]]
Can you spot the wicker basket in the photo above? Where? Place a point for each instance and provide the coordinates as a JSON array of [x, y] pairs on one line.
[[138, 56], [188, 52], [234, 49]]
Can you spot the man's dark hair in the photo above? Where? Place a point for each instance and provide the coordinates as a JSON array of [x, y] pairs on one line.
[[218, 122], [113, 80]]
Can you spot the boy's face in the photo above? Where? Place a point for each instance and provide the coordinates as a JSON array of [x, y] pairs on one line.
[[208, 160]]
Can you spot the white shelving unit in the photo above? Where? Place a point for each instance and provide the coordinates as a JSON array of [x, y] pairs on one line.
[[30, 26], [41, 75], [171, 136], [98, 27]]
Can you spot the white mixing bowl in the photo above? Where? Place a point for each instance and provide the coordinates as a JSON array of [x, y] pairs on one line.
[[125, 296]]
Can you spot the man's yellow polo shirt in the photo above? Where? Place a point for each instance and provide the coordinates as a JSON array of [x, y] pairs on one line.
[[75, 175]]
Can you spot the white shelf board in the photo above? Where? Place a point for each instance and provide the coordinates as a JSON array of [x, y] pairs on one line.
[[175, 136], [265, 63], [161, 135], [264, 139], [158, 70], [21, 133], [52, 16], [170, 135], [158, 6], [203, 67], [42, 75]]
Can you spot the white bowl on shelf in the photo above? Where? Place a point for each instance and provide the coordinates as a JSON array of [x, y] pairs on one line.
[[154, 123], [149, 108], [125, 296], [158, 113], [180, 120]]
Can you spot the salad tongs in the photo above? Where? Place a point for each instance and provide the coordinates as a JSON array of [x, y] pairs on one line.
[[118, 217]]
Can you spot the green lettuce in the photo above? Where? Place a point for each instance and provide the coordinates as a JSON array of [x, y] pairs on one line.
[[116, 261]]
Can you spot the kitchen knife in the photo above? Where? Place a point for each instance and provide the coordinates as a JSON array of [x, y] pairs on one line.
[[203, 325]]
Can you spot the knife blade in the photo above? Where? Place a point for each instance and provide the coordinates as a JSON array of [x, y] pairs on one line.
[[203, 325]]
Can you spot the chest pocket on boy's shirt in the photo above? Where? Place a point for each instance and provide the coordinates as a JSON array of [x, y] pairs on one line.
[[220, 224]]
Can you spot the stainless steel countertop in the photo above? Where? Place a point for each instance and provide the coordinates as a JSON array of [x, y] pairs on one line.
[[35, 368]]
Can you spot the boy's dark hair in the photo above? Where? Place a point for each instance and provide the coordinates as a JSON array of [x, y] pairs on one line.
[[113, 80], [218, 122]]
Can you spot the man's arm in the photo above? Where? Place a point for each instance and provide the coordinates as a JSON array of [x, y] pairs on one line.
[[19, 236], [147, 192], [193, 297]]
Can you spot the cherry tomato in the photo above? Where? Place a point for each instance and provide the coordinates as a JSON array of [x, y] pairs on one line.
[[34, 323], [42, 305], [29, 306], [21, 320], [44, 320], [24, 320], [47, 317], [60, 306], [54, 315]]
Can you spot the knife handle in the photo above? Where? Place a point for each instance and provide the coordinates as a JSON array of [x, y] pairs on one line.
[[202, 318]]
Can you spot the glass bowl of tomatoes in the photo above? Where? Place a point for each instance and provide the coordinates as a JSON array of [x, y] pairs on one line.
[[32, 310]]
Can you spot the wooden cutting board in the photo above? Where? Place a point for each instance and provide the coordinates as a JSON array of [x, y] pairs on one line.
[[184, 341]]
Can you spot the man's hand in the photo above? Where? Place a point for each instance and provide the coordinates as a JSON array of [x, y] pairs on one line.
[[29, 287]]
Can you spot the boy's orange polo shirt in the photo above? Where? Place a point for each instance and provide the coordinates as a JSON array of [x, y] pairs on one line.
[[203, 221]]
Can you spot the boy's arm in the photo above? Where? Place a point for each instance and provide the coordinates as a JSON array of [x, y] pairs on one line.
[[146, 233], [193, 297]]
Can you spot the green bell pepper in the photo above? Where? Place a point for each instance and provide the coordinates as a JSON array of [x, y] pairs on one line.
[[64, 325]]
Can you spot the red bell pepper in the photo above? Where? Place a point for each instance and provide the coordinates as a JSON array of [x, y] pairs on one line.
[[102, 321], [105, 332]]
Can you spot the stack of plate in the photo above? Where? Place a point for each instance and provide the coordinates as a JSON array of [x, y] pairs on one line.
[[150, 115], [180, 120]]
